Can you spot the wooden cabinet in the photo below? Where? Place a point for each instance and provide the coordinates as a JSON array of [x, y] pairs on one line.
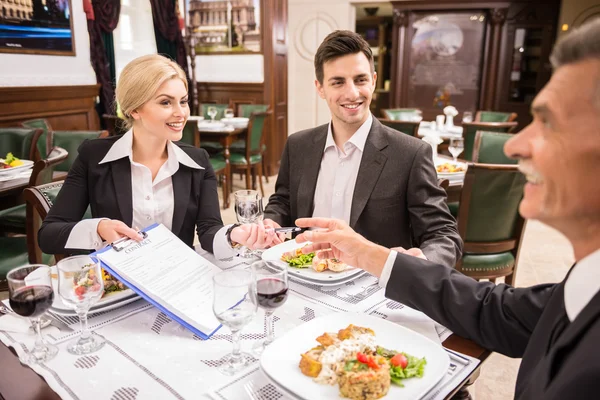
[[475, 55]]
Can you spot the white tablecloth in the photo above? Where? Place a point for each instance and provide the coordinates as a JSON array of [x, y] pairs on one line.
[[148, 356], [426, 130]]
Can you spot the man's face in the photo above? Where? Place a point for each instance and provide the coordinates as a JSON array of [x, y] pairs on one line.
[[560, 150], [348, 86]]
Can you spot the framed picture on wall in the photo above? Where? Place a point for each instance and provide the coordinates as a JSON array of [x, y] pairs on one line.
[[224, 26], [36, 27]]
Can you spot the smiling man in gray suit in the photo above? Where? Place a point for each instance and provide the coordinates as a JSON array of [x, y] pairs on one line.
[[381, 182]]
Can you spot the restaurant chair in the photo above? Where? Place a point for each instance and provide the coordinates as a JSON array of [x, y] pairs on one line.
[[251, 161], [489, 222], [23, 143], [471, 128], [70, 141], [114, 125], [401, 114], [411, 128], [13, 220], [245, 110], [43, 145], [495, 116], [489, 148], [190, 134], [220, 110]]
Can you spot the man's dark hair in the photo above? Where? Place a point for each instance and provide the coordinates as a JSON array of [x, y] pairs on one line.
[[338, 44]]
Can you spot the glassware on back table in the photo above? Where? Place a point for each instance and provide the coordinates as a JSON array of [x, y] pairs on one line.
[[80, 286], [248, 210], [31, 295], [467, 117], [212, 113], [457, 145], [234, 305], [271, 282], [228, 113]]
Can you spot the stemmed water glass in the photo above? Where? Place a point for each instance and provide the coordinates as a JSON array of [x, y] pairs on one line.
[[212, 113], [467, 117], [457, 145], [80, 286], [234, 306], [271, 282], [248, 210], [31, 295]]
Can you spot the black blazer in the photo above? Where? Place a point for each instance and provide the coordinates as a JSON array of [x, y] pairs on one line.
[[517, 322], [106, 188], [396, 202]]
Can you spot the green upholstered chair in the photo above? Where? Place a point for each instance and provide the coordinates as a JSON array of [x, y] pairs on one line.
[[114, 125], [19, 250], [471, 128], [401, 114], [489, 222], [251, 161], [245, 110], [220, 110], [221, 169], [45, 142], [190, 134], [22, 142], [70, 141], [13, 220], [489, 148], [408, 127], [495, 116]]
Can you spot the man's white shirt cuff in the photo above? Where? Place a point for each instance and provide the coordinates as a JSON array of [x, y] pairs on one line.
[[387, 269]]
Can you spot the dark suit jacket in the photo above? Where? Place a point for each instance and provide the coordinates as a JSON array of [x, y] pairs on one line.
[[397, 200], [106, 188], [517, 322]]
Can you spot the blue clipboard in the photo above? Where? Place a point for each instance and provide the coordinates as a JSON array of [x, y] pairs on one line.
[[121, 244]]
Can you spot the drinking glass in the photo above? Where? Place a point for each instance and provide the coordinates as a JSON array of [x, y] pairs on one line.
[[228, 113], [234, 305], [271, 283], [212, 113], [457, 145], [30, 295], [80, 286], [467, 117], [248, 210]]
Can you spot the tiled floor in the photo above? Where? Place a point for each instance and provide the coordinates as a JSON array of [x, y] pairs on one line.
[[546, 256]]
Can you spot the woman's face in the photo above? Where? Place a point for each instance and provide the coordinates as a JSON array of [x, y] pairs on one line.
[[165, 114]]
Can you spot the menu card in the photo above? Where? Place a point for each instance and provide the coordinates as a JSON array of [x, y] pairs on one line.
[[169, 274]]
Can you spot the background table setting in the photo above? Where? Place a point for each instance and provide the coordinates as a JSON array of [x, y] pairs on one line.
[[148, 355]]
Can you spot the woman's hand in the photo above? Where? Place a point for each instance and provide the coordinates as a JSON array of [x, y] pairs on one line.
[[254, 236], [112, 229]]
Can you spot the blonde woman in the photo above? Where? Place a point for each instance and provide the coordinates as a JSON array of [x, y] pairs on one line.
[[145, 176]]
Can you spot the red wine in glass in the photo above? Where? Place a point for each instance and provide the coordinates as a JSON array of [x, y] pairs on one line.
[[271, 293], [31, 301]]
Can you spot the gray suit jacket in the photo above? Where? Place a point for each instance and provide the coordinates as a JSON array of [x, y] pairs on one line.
[[396, 202]]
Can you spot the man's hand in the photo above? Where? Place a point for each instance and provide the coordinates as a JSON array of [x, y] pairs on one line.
[[112, 229], [413, 251], [342, 243], [270, 224], [254, 236]]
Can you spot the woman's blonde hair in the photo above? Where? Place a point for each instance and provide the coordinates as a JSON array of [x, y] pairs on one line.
[[141, 78]]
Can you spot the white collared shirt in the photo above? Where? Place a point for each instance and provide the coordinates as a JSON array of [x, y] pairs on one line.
[[152, 200], [338, 172], [581, 286]]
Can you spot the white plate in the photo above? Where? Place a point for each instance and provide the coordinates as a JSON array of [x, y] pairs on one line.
[[113, 300], [281, 358], [27, 164], [325, 278]]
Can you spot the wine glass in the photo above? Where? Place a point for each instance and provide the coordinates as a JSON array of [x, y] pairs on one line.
[[271, 282], [234, 305], [212, 113], [30, 295], [80, 286], [457, 145], [467, 117], [228, 113], [248, 210]]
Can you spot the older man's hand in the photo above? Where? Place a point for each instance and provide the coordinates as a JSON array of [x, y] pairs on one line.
[[337, 240], [254, 236]]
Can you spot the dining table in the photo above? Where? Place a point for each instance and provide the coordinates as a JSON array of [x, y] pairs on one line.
[[149, 356]]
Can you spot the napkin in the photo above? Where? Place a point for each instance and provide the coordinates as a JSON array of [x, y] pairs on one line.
[[415, 321], [14, 323]]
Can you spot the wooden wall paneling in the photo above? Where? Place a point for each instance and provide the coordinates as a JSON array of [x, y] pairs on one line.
[[65, 107], [233, 94]]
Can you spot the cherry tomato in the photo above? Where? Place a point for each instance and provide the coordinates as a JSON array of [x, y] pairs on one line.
[[399, 360], [361, 357]]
